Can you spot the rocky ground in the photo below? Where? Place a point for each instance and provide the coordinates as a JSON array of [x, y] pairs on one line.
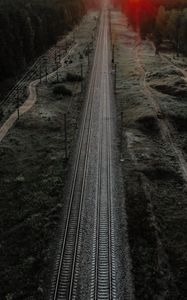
[[152, 116], [33, 172]]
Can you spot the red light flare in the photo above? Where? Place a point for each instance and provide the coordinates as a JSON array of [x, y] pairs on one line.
[[137, 10]]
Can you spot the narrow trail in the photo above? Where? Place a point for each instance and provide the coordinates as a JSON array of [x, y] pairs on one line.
[[30, 101], [183, 71], [166, 59], [166, 128], [146, 89]]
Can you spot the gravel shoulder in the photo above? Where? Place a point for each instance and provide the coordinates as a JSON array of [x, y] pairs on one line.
[[151, 93]]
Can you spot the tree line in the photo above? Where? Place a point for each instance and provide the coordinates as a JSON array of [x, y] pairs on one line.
[[160, 19], [29, 27], [172, 24]]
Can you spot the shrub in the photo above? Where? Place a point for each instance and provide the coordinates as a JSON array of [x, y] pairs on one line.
[[1, 114], [73, 77], [61, 90]]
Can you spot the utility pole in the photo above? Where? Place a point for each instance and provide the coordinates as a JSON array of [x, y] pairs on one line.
[[110, 25], [46, 70], [65, 136], [66, 46], [113, 53], [57, 61], [55, 56], [121, 137], [74, 36], [57, 74], [18, 101], [92, 40], [179, 24], [121, 128], [88, 55], [59, 53], [115, 74], [17, 97], [40, 71], [82, 77]]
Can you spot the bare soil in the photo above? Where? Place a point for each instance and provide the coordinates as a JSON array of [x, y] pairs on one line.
[[151, 94]]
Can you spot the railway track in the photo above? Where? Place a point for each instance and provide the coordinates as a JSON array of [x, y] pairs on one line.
[[66, 273], [63, 285], [103, 266]]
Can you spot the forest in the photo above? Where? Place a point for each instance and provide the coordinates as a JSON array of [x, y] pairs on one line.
[[160, 19], [29, 27]]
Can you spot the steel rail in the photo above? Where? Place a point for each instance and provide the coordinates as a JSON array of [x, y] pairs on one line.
[[110, 192], [98, 193], [73, 184], [109, 185], [102, 285], [88, 148]]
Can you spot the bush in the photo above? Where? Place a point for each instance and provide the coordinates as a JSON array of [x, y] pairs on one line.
[[1, 114], [73, 77], [61, 90]]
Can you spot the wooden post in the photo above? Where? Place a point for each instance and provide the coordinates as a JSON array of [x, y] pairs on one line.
[[17, 102], [115, 75], [121, 146], [59, 53], [55, 56], [65, 136], [81, 70], [82, 77], [57, 74], [73, 35], [88, 55], [45, 65], [121, 128], [113, 53], [110, 25], [46, 72], [40, 71], [18, 108], [92, 40]]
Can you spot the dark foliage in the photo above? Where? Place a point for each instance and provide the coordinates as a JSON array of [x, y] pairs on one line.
[[62, 90], [29, 27], [73, 77], [160, 19]]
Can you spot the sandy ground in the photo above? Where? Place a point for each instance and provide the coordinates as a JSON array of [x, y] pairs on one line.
[[33, 173], [151, 93]]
